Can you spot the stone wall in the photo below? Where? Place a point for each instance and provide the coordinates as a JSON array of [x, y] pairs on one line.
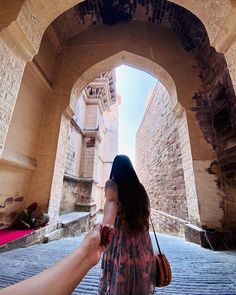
[[159, 162], [74, 150], [14, 189], [69, 195], [92, 146], [19, 159]]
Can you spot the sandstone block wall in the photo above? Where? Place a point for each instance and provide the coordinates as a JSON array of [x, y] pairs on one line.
[[14, 188], [92, 146], [19, 159], [73, 158], [159, 161], [23, 148]]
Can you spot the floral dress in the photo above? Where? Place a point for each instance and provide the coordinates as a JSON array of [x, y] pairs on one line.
[[128, 264]]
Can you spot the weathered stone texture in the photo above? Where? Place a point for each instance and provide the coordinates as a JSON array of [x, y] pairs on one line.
[[215, 14], [11, 69], [13, 196], [35, 17], [73, 157], [76, 227], [187, 161], [158, 156], [69, 195], [210, 197], [215, 109], [230, 57], [211, 13], [168, 224], [88, 14], [87, 160], [84, 191], [59, 169], [92, 141]]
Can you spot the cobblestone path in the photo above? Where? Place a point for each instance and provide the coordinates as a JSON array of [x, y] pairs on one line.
[[196, 271]]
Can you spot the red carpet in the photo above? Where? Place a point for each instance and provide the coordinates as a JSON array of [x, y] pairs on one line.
[[8, 235]]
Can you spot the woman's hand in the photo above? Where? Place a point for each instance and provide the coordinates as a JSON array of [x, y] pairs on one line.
[[107, 233]]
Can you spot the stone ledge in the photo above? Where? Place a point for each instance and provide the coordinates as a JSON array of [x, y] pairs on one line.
[[32, 238], [75, 223], [209, 238], [77, 179], [72, 217], [194, 234], [168, 224], [85, 207], [20, 40]]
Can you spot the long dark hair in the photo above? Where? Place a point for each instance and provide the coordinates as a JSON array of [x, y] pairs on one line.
[[133, 199]]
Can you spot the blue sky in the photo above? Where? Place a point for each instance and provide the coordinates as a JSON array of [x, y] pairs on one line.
[[133, 86]]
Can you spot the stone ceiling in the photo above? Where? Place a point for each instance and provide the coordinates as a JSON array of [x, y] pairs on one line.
[[94, 12]]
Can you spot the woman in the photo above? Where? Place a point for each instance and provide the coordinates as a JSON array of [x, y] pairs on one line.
[[128, 262]]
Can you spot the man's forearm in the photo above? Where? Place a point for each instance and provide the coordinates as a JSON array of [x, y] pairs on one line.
[[60, 279]]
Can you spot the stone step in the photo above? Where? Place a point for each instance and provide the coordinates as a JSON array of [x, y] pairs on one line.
[[55, 235], [196, 270]]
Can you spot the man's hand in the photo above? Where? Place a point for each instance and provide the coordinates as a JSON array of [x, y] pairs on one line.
[[92, 244]]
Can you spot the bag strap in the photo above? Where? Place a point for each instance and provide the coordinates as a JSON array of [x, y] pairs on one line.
[[158, 246]]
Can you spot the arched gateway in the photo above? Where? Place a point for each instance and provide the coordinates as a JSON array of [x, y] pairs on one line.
[[163, 39]]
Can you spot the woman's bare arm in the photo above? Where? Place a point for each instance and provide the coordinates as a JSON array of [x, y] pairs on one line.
[[111, 204]]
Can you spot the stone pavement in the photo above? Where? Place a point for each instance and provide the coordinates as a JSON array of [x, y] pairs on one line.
[[196, 271]]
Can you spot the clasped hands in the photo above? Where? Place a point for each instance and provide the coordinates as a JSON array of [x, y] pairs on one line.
[[96, 241]]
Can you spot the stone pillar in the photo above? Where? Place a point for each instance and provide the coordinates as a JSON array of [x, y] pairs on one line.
[[15, 51], [204, 198], [189, 177], [84, 199], [59, 168], [110, 139], [47, 181]]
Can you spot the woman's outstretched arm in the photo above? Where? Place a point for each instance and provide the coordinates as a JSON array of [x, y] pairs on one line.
[[111, 203], [63, 277]]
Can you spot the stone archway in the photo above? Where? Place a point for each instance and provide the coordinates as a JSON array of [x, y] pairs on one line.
[[23, 50], [129, 59], [181, 69], [21, 37], [86, 77], [176, 109]]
